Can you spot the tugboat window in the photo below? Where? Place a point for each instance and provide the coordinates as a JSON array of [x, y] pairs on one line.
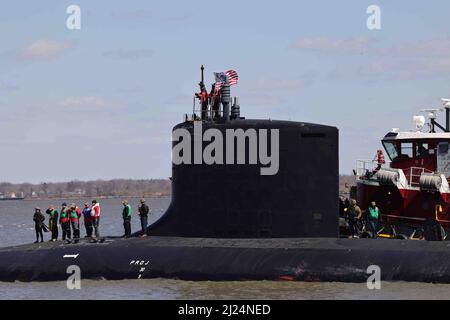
[[422, 150], [391, 150], [443, 148], [407, 150]]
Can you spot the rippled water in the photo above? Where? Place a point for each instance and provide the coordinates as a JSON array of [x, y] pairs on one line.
[[176, 289], [16, 227]]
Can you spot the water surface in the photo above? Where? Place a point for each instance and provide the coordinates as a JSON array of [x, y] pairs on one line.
[[16, 227]]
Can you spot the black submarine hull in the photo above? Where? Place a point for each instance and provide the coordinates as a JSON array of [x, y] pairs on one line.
[[302, 259]]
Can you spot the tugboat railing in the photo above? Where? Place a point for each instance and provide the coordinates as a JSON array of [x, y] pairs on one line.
[[413, 175], [364, 165]]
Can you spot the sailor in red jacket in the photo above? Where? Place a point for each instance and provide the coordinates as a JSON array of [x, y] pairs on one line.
[[203, 97], [75, 214], [95, 213]]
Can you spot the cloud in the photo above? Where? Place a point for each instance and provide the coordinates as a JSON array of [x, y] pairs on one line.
[[361, 44], [335, 45], [375, 68], [87, 102], [391, 69], [440, 65], [421, 58], [426, 48], [133, 15], [132, 54], [44, 50], [7, 87], [381, 61]]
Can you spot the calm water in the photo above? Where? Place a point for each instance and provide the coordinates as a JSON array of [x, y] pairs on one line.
[[16, 227]]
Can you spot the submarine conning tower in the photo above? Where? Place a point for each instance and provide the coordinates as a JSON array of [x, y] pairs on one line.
[[245, 178]]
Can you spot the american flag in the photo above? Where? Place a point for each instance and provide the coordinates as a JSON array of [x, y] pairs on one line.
[[220, 78]]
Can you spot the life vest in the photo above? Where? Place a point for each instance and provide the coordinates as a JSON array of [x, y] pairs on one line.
[[127, 211], [53, 214], [64, 217], [95, 212], [374, 213], [74, 214]]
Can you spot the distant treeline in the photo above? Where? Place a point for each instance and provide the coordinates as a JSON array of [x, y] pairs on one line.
[[98, 188], [110, 188]]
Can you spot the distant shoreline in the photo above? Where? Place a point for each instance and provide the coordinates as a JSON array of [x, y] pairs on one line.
[[97, 198], [98, 189]]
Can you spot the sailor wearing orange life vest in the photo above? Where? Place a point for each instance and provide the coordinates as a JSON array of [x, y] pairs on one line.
[[64, 220], [95, 213], [74, 215], [203, 97]]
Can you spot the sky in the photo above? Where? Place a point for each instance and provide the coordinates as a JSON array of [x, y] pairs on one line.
[[100, 102]]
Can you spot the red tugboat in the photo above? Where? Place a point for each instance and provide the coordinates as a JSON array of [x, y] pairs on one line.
[[414, 189]]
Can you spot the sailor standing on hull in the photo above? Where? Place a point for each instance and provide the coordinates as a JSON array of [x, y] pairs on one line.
[[354, 214], [53, 222], [75, 214], [38, 219], [144, 210], [87, 219], [126, 214], [373, 217], [64, 220], [95, 213]]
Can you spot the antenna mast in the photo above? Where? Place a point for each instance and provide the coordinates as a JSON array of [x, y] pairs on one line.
[[202, 68]]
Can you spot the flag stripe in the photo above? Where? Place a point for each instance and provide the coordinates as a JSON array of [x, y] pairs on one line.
[[233, 79]]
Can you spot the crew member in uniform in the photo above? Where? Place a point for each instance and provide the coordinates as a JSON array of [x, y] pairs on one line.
[[373, 217], [203, 97], [95, 213], [87, 217], [215, 101], [354, 213], [64, 220], [144, 210], [126, 214], [53, 222], [74, 215], [38, 219]]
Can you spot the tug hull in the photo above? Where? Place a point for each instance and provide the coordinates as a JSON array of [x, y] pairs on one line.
[[306, 259], [407, 206]]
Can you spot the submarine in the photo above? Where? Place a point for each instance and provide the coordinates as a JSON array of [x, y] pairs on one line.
[[251, 200]]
